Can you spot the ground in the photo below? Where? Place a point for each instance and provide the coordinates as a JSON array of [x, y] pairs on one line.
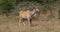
[[11, 25]]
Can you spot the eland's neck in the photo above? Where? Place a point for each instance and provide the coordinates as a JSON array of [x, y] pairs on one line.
[[33, 12]]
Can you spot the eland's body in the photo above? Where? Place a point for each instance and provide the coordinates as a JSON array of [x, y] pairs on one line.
[[28, 14]]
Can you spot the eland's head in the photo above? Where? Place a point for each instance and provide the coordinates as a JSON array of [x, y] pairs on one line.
[[36, 9]]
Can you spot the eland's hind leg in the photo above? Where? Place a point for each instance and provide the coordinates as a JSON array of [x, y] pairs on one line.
[[19, 22], [23, 20]]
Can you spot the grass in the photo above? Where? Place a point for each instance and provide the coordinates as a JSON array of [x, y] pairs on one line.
[[11, 25]]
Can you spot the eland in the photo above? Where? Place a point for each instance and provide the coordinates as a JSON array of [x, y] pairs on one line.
[[27, 14]]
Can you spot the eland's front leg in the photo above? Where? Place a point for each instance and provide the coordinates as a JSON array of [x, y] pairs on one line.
[[30, 22]]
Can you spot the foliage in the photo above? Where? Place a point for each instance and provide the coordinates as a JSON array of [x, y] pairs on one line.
[[6, 6], [44, 5]]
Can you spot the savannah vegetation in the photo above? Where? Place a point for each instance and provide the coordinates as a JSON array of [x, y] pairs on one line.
[[47, 20]]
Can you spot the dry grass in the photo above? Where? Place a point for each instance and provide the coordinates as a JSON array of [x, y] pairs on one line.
[[11, 25]]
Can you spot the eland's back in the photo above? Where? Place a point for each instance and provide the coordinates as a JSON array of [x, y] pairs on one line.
[[25, 14]]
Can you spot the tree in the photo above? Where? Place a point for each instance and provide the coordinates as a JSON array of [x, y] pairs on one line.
[[6, 6]]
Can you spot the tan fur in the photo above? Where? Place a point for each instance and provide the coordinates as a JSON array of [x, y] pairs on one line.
[[24, 14]]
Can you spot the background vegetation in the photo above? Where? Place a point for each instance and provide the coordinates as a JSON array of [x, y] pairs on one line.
[[8, 7]]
